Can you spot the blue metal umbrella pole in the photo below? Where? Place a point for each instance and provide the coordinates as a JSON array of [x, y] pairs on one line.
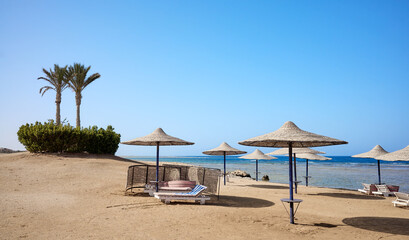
[[295, 173], [256, 169], [290, 174], [379, 173], [157, 166], [306, 173], [224, 154]]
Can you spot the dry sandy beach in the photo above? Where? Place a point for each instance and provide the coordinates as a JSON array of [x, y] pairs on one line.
[[83, 197]]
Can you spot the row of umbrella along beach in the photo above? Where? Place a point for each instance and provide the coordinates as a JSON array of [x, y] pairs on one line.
[[288, 137], [379, 153]]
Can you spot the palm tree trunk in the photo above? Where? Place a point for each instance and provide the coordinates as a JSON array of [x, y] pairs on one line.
[[78, 102], [57, 113]]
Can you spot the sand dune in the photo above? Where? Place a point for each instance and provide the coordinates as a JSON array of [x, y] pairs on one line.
[[83, 197]]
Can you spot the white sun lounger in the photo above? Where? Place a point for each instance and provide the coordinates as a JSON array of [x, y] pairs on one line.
[[402, 199], [366, 189], [152, 190], [195, 195], [163, 187], [383, 190]]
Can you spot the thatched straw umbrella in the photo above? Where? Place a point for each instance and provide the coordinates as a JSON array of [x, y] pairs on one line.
[[283, 151], [257, 155], [400, 155], [373, 153], [310, 156], [224, 149], [157, 138], [289, 135]]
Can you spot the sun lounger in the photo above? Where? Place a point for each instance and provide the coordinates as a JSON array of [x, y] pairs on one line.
[[402, 199], [170, 187], [393, 188], [152, 190], [383, 190], [195, 195], [368, 188]]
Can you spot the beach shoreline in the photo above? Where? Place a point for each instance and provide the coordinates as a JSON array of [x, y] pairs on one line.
[[57, 196], [338, 173]]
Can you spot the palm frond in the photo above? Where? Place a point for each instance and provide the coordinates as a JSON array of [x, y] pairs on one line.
[[47, 73], [78, 77], [45, 89], [91, 78], [56, 78], [49, 80], [61, 76]]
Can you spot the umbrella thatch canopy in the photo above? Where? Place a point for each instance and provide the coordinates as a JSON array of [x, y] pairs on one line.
[[157, 138], [283, 151], [310, 156], [289, 135], [224, 149], [374, 152], [257, 155], [400, 155], [289, 132]]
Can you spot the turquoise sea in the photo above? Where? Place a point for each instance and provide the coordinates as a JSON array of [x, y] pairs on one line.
[[340, 172]]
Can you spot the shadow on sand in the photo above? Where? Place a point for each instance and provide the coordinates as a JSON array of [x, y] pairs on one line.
[[380, 224], [137, 193], [324, 225], [267, 186], [348, 195], [230, 201], [241, 202]]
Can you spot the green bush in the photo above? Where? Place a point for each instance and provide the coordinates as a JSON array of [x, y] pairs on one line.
[[49, 137]]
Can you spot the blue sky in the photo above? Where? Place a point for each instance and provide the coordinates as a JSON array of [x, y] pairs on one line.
[[213, 71]]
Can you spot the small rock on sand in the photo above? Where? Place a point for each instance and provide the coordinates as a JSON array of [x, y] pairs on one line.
[[240, 173]]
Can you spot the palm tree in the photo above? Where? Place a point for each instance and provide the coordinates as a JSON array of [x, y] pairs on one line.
[[58, 82], [77, 81]]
